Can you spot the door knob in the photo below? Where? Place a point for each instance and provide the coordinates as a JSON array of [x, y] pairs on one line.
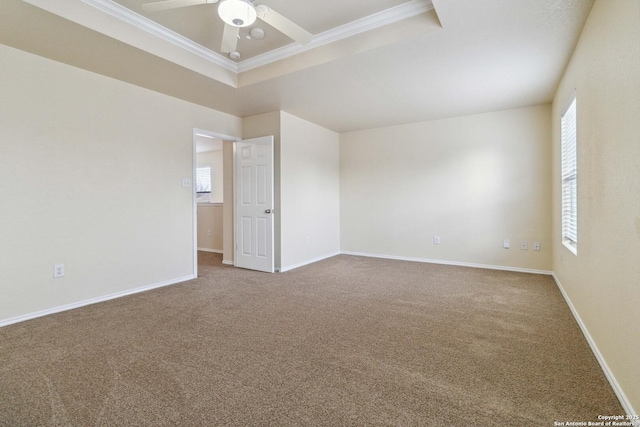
[[268, 211]]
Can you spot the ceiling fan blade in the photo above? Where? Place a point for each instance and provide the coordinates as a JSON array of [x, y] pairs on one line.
[[171, 4], [229, 38], [284, 25]]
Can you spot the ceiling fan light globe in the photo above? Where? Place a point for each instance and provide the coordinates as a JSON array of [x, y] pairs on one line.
[[237, 13]]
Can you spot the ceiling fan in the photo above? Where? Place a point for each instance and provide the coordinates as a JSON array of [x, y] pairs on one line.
[[237, 14]]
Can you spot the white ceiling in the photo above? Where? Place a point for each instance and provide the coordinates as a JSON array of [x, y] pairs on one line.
[[450, 58]]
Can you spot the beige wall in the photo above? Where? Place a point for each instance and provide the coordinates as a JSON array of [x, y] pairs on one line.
[[210, 227], [91, 177], [473, 181], [310, 188], [306, 176], [603, 280]]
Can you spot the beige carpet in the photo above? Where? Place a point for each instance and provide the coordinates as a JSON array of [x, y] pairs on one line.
[[346, 341]]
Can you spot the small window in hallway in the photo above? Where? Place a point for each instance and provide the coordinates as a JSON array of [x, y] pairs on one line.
[[569, 177]]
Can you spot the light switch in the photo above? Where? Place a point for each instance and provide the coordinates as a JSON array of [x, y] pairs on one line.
[[506, 244], [186, 182]]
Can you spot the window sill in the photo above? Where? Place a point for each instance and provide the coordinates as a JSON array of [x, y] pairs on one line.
[[571, 246]]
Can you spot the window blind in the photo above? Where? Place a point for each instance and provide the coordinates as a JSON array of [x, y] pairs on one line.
[[203, 179], [569, 177]]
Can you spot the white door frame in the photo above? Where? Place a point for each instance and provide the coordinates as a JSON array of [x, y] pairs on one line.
[[210, 134]]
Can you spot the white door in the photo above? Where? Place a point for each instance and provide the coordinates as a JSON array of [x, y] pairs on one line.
[[254, 204]]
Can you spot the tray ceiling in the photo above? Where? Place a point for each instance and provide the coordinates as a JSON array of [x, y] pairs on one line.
[[202, 25], [370, 63]]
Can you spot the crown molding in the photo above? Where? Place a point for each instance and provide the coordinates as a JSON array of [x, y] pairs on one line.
[[104, 15], [130, 17], [386, 17], [389, 16]]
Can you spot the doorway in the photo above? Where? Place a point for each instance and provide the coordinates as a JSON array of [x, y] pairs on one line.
[[213, 203]]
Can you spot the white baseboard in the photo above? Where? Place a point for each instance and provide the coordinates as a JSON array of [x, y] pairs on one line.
[[626, 405], [227, 262], [215, 251], [456, 263], [311, 261], [79, 304]]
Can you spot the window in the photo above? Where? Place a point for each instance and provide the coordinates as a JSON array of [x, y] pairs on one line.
[[569, 177], [203, 184]]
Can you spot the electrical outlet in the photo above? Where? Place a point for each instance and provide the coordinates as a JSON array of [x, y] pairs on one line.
[[58, 270], [436, 240], [506, 244], [523, 245], [536, 246], [307, 240]]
